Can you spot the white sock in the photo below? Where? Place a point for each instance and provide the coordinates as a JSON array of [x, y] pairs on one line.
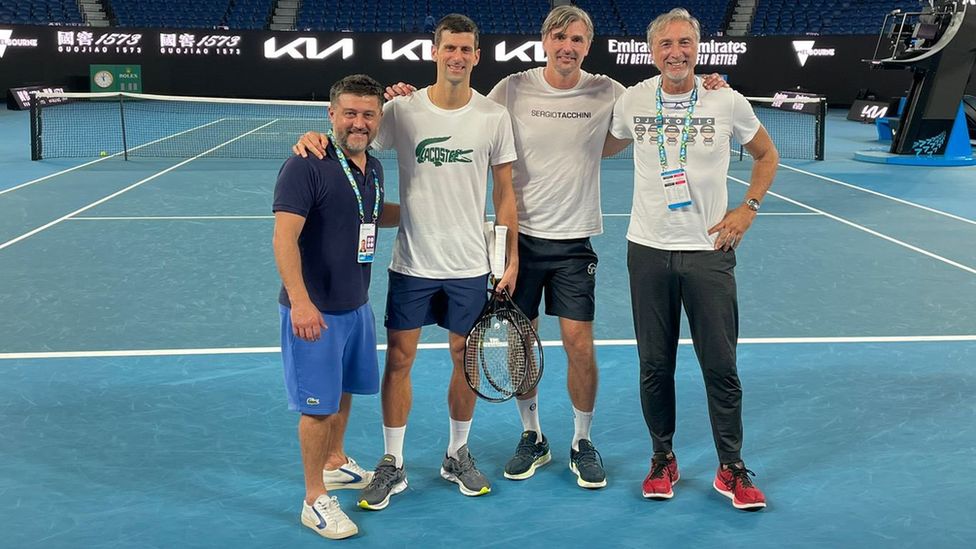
[[529, 411], [393, 442], [581, 421], [459, 436]]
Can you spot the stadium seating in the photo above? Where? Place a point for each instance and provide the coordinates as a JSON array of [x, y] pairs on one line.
[[238, 14], [610, 17], [40, 12], [496, 17], [824, 16], [248, 14], [630, 17]]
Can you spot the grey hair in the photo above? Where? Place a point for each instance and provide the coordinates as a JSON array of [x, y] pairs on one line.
[[663, 20], [562, 16]]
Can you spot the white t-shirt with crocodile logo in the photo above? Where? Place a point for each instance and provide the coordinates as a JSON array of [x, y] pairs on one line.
[[444, 160]]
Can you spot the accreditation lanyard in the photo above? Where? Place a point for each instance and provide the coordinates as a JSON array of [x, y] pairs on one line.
[[675, 181], [366, 243]]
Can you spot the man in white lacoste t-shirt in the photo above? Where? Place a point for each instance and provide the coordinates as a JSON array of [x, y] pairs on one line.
[[447, 136], [682, 241]]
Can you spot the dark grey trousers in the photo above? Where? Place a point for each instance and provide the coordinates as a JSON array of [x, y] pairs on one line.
[[704, 282]]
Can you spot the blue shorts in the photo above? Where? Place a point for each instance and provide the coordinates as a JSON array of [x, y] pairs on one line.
[[343, 360], [453, 304]]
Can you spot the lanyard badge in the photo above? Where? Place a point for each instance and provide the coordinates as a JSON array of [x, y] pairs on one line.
[[676, 190], [366, 243]]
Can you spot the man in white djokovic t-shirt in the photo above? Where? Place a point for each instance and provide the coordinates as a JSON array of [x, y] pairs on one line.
[[447, 136], [682, 239]]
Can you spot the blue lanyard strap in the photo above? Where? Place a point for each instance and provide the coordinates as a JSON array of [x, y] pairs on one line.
[[659, 121], [352, 181]]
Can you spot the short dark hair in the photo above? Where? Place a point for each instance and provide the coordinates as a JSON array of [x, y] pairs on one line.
[[357, 84], [455, 22]]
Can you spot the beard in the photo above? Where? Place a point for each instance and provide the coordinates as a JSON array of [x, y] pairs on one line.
[[353, 148]]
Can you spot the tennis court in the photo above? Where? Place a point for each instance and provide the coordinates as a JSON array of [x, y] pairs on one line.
[[142, 404]]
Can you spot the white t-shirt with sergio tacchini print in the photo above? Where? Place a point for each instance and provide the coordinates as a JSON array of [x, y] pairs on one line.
[[444, 159], [559, 135]]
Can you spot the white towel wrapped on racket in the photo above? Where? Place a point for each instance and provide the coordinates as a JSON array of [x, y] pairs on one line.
[[496, 239]]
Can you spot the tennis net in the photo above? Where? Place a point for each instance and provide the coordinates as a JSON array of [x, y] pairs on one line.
[[160, 126]]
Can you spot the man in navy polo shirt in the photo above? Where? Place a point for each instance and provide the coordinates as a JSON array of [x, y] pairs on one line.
[[326, 214]]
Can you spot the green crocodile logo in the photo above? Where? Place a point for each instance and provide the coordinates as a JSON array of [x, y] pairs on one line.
[[439, 156]]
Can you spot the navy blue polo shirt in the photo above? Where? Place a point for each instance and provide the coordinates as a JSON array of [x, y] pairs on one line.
[[319, 191]]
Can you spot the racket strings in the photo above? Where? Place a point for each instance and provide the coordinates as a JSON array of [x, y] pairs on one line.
[[503, 355], [530, 359]]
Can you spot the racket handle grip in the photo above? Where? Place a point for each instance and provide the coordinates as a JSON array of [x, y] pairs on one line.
[[498, 251]]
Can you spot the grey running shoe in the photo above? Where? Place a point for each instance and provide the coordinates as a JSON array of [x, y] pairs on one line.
[[462, 472], [529, 454], [588, 465], [388, 480]]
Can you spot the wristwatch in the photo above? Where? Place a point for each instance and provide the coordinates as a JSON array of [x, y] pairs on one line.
[[753, 204]]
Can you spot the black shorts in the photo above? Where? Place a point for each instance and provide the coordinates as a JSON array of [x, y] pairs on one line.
[[565, 269]]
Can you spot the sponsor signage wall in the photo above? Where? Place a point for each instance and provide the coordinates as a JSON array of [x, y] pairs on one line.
[[303, 65]]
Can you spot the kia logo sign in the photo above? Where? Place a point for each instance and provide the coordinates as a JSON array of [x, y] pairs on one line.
[[873, 111], [414, 51], [804, 50], [307, 48], [521, 52]]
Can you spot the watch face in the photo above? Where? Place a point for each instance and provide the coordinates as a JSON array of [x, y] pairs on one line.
[[103, 79]]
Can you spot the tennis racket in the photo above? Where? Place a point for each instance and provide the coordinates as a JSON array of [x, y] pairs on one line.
[[503, 354]]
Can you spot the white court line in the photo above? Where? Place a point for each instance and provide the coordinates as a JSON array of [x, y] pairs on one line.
[[598, 343], [171, 218], [882, 195], [937, 257], [55, 174], [236, 217], [760, 213], [127, 189]]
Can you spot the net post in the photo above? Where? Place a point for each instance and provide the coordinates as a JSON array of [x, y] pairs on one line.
[[821, 128], [35, 128], [125, 147]]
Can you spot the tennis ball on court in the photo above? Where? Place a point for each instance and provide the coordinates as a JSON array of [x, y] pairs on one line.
[[103, 153]]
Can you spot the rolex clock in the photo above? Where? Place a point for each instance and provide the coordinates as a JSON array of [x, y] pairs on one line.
[[103, 79]]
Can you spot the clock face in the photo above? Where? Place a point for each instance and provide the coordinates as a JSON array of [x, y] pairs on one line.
[[104, 79]]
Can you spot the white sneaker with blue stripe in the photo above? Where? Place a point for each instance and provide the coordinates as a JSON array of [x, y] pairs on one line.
[[348, 476], [327, 518]]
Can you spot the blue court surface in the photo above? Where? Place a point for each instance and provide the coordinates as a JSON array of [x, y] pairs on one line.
[[142, 403]]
